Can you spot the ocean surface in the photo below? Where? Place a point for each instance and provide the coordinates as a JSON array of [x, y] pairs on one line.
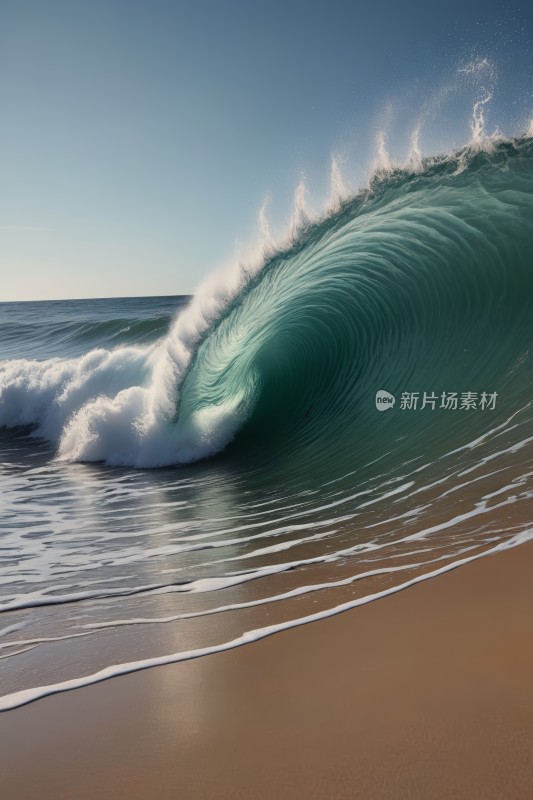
[[350, 415]]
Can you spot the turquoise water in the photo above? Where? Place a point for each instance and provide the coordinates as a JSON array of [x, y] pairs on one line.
[[183, 475]]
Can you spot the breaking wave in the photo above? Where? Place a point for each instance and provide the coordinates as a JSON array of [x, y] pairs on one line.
[[420, 282]]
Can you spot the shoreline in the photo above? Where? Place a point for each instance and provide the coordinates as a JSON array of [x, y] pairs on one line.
[[426, 693]]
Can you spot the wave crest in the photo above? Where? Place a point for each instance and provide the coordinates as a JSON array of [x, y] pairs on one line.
[[420, 281]]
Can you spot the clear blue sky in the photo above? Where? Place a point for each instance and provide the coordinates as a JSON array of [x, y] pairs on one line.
[[138, 139]]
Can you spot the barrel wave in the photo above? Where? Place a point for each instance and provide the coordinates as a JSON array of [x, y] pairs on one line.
[[286, 493], [422, 282]]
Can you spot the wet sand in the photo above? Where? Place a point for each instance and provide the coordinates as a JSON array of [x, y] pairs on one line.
[[425, 694]]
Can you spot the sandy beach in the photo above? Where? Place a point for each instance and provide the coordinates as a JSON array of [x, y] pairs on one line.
[[424, 694]]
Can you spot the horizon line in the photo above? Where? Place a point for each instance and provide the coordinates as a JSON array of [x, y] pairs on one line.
[[102, 297]]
